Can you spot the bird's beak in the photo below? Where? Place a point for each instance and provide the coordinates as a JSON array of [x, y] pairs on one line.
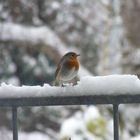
[[78, 55]]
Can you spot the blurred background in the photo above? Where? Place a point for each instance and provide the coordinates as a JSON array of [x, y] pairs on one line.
[[34, 34]]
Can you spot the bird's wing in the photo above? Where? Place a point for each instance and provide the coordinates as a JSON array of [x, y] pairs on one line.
[[57, 74]]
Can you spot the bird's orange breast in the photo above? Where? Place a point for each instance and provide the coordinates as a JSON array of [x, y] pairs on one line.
[[73, 64]]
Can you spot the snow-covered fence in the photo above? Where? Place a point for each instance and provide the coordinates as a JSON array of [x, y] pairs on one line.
[[115, 90]]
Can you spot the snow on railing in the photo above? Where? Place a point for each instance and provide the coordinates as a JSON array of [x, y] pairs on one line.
[[113, 89]]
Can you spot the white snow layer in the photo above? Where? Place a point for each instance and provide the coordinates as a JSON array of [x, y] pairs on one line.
[[88, 85]]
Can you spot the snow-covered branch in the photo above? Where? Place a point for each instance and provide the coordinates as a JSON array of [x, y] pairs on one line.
[[100, 85], [16, 32]]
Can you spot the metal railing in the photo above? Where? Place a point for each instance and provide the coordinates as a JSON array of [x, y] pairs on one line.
[[115, 100]]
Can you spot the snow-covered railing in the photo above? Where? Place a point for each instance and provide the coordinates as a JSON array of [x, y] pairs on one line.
[[115, 90]]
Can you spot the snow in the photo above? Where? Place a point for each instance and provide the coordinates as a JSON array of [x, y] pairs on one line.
[[13, 80], [75, 127], [136, 138], [70, 126], [88, 85], [113, 84], [31, 34], [7, 135], [125, 111], [94, 113], [29, 60], [33, 135]]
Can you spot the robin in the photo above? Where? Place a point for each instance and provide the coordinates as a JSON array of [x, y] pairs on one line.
[[67, 68]]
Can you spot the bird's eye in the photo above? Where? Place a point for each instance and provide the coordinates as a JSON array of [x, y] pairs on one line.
[[73, 55]]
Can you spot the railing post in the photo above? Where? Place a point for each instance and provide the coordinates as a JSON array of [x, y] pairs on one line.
[[14, 123], [116, 121]]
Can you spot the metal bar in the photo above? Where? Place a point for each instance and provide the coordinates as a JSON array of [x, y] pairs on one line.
[[14, 123], [70, 100], [116, 121]]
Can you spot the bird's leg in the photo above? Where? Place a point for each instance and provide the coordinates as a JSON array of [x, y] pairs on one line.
[[62, 85]]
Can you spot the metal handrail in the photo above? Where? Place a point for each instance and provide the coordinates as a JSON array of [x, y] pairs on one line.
[[115, 100], [71, 100]]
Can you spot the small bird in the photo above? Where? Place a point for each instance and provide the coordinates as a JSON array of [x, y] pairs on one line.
[[67, 68]]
